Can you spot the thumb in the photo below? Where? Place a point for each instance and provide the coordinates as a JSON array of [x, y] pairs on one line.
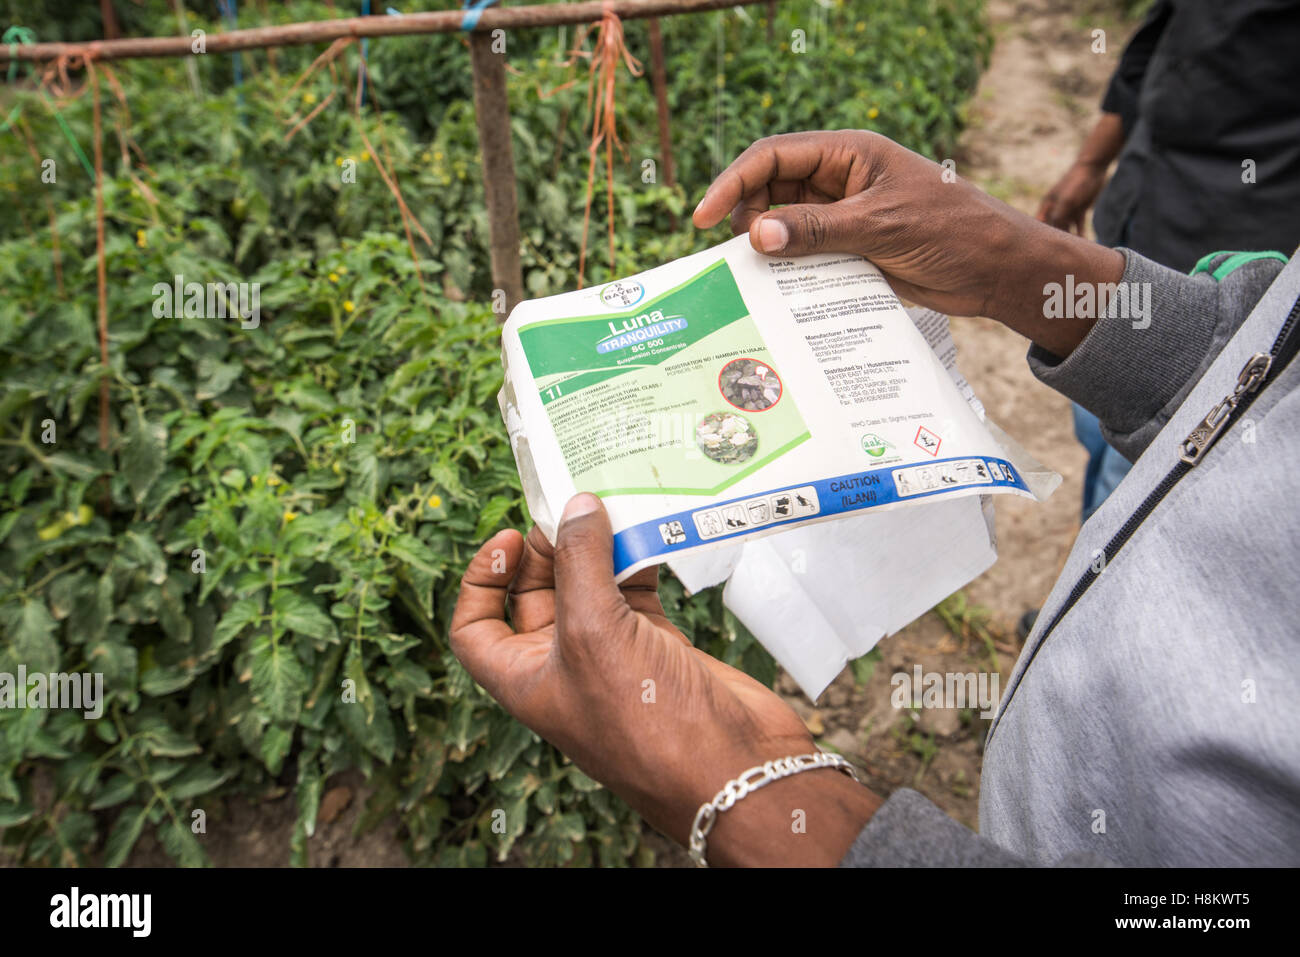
[[587, 602], [807, 228]]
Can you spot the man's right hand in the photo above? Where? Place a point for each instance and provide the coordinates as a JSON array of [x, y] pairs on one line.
[[939, 240]]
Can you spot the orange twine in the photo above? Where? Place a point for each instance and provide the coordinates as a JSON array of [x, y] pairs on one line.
[[611, 48]]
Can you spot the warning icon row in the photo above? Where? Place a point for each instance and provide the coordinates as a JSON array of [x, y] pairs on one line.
[[930, 478], [756, 512]]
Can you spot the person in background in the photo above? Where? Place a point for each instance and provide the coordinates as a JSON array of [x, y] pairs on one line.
[[1204, 117]]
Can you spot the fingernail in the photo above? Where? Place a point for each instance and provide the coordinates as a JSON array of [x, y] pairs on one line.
[[772, 235], [698, 205], [584, 503]]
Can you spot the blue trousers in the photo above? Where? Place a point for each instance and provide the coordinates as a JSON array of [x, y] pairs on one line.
[[1106, 467]]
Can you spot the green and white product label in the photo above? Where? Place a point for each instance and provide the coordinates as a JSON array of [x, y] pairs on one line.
[[734, 394], [680, 396]]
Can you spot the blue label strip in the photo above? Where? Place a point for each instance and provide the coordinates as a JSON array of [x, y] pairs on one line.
[[835, 496]]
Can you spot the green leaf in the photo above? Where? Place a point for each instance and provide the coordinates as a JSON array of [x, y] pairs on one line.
[[354, 669], [300, 614], [516, 820], [311, 784], [181, 844], [72, 465], [509, 739], [491, 515], [412, 551], [197, 780], [239, 614], [141, 551], [279, 681], [274, 746], [143, 454], [220, 376], [162, 741], [125, 832], [569, 827], [32, 642], [11, 815], [118, 788], [119, 662]]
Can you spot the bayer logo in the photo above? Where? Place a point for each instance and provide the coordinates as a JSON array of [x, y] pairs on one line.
[[622, 294]]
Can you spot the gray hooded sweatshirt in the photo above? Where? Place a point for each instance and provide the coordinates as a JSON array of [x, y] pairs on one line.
[[1158, 723]]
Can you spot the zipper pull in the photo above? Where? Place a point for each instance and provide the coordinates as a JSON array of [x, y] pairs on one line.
[[1200, 439]]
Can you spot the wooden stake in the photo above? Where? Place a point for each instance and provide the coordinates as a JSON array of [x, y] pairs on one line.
[[659, 79], [111, 30], [492, 112]]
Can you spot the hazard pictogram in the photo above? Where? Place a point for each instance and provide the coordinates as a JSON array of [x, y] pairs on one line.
[[927, 441]]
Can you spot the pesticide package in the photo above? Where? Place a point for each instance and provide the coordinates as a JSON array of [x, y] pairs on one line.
[[730, 397]]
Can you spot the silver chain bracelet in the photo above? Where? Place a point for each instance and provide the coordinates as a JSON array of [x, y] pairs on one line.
[[749, 782]]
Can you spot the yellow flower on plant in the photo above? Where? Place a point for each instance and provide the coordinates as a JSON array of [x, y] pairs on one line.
[[334, 277], [348, 305], [365, 156], [767, 100], [274, 480], [338, 161], [309, 98], [342, 270], [141, 239], [872, 113], [435, 501], [859, 26], [289, 516], [437, 155]]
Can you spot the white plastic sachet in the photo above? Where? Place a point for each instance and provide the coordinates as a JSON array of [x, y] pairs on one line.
[[783, 423]]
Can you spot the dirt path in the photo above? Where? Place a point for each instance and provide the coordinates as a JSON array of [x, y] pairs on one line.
[[1033, 108]]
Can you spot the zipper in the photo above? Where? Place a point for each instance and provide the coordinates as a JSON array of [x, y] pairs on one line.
[[1260, 370]]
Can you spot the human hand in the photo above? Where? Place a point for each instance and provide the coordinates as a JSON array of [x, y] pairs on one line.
[[600, 672], [1067, 203], [939, 241]]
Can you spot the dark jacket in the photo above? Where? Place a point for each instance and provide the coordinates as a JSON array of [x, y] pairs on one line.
[[1203, 87]]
